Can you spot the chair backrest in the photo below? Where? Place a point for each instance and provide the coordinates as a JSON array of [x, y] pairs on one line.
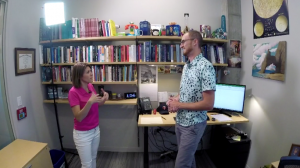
[[289, 162]]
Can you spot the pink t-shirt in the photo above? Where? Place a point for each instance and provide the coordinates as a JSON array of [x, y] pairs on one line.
[[78, 96]]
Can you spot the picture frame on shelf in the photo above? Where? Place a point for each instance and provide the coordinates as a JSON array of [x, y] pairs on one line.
[[295, 150], [25, 61]]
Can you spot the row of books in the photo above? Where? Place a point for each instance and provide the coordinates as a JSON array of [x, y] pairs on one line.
[[91, 53], [60, 74], [77, 28], [214, 53], [143, 52], [110, 73], [101, 73], [93, 27]]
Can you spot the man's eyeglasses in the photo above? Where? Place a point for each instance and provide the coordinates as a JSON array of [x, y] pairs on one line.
[[183, 41]]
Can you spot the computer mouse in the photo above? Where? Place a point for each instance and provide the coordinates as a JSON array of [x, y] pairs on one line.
[[213, 119]]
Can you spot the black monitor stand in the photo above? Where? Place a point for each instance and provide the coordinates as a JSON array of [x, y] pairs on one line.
[[229, 114]]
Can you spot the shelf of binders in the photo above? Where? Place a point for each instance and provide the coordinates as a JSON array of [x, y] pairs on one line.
[[92, 63], [131, 38], [97, 83], [108, 102]]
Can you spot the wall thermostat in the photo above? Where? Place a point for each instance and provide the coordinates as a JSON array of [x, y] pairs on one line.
[[130, 95]]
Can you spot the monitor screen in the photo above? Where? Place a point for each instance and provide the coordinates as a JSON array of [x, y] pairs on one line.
[[230, 97]]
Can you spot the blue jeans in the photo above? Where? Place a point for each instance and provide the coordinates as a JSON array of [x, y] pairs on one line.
[[187, 141], [87, 143]]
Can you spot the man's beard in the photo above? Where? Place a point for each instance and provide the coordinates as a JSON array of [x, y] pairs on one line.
[[187, 51]]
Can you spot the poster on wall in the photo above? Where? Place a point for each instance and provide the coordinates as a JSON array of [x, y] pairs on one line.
[[269, 60], [148, 78], [235, 59], [270, 18]]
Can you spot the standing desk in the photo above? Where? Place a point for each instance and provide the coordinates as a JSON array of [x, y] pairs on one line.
[[171, 122]]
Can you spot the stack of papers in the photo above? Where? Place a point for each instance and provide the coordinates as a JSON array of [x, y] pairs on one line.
[[151, 120], [221, 117]]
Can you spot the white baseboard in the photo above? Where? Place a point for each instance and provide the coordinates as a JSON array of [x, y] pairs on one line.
[[122, 149], [111, 149]]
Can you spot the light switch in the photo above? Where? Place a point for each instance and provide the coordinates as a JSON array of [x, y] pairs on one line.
[[19, 99]]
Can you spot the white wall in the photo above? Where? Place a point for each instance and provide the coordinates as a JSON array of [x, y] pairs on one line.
[[22, 30], [274, 109]]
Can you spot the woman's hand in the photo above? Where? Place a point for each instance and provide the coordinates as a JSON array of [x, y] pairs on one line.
[[95, 98], [105, 94]]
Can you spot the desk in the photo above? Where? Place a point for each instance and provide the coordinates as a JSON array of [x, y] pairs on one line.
[[275, 164], [23, 154], [171, 122]]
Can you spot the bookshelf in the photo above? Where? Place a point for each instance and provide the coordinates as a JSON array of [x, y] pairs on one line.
[[173, 63], [92, 39], [129, 38], [92, 63], [96, 83], [136, 63], [108, 102], [176, 38]]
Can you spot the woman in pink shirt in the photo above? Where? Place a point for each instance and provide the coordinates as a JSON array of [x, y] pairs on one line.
[[84, 102]]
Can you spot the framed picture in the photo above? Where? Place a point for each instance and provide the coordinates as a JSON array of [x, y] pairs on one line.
[[24, 61], [295, 150], [235, 58]]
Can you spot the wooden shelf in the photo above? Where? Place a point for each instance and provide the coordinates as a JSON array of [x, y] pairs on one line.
[[59, 64], [112, 63], [160, 63], [113, 38], [127, 63], [172, 63], [176, 38], [96, 83], [223, 65], [117, 83], [92, 63], [131, 38], [172, 38], [57, 83], [108, 102]]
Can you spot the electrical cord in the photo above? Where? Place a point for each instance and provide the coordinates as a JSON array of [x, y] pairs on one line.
[[164, 143], [157, 146]]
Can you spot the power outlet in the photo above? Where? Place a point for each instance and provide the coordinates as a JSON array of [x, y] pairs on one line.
[[19, 100]]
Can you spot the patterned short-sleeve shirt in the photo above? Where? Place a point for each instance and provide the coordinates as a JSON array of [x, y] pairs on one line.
[[197, 76]]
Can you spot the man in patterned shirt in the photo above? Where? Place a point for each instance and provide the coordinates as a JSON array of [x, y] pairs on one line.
[[197, 95]]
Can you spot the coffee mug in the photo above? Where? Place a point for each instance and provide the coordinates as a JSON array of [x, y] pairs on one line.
[[137, 32]]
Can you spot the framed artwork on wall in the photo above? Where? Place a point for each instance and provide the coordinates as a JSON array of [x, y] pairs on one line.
[[269, 60], [235, 58], [24, 61]]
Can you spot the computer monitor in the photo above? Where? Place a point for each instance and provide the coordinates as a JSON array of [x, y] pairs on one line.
[[229, 98]]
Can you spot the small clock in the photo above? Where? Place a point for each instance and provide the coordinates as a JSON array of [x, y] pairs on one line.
[[130, 95]]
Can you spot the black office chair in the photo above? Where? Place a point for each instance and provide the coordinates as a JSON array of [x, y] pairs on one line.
[[289, 162]]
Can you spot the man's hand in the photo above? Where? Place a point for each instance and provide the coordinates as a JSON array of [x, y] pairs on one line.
[[173, 105], [175, 98]]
